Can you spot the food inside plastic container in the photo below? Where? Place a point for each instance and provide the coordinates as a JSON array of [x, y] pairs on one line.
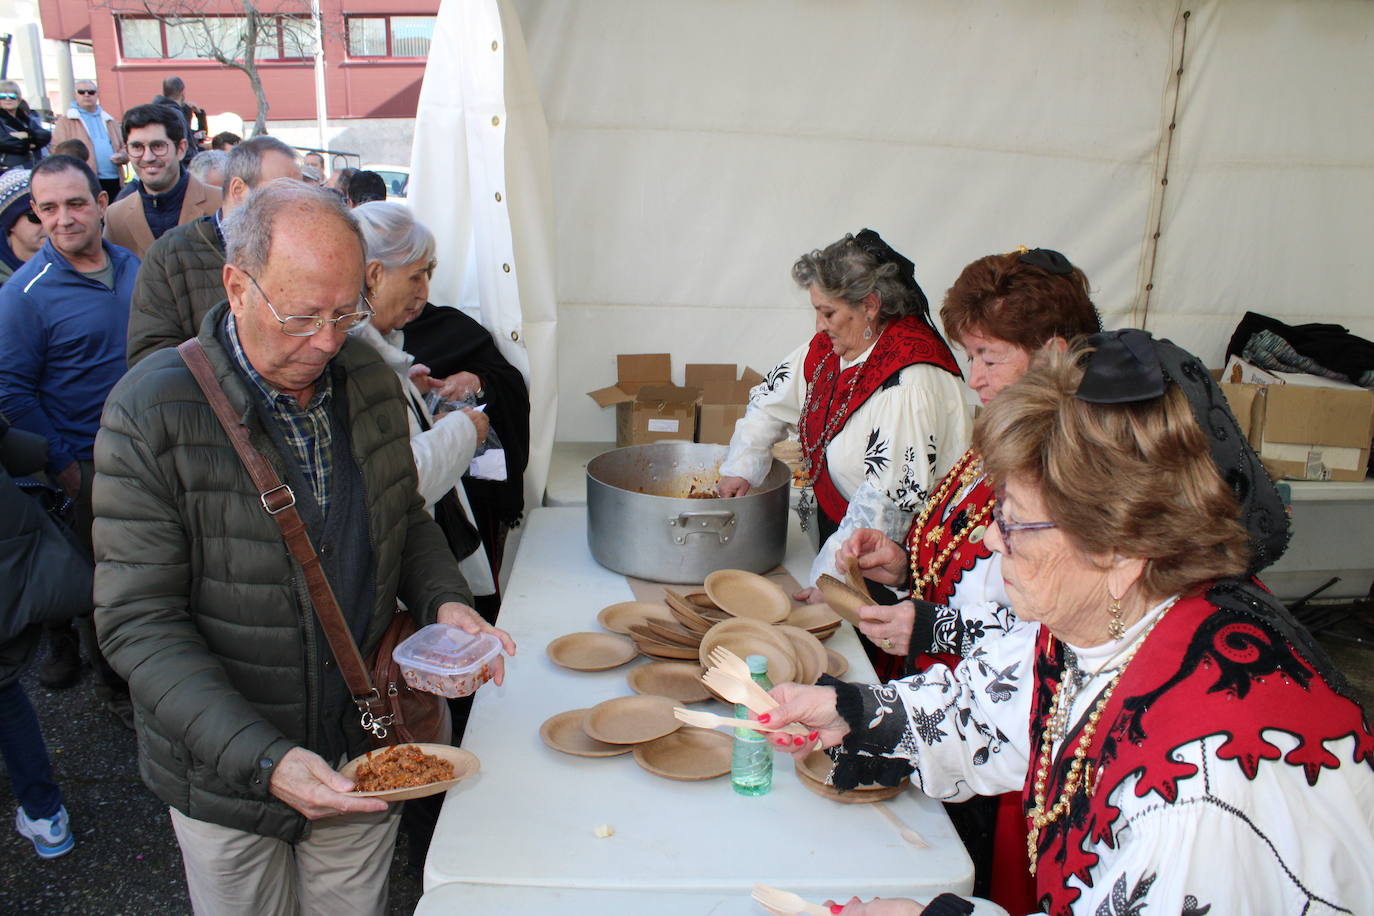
[[446, 660]]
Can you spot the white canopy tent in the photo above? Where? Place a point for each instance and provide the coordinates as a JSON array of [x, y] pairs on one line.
[[694, 149]]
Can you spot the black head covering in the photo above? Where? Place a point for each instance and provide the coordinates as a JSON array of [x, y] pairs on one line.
[[872, 243], [1129, 366]]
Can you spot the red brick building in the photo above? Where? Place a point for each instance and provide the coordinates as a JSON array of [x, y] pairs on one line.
[[374, 54]]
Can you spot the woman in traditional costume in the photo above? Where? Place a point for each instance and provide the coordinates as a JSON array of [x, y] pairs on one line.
[[874, 397], [1002, 310], [1182, 744]]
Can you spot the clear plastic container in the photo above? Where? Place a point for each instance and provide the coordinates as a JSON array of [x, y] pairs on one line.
[[446, 660]]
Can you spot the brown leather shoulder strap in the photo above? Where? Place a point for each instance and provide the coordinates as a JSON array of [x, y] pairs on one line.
[[280, 503]]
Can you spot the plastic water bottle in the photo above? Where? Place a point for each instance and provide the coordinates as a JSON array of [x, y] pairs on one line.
[[751, 763]]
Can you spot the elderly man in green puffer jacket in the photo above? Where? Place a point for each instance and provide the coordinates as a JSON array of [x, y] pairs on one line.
[[241, 711]]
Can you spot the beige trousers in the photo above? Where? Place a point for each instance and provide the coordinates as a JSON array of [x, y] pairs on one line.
[[342, 868]]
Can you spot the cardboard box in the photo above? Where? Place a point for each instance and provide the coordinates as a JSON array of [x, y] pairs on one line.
[[1302, 426], [724, 399], [648, 406]]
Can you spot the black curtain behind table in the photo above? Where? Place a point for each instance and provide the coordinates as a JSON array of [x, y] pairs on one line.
[[449, 342]]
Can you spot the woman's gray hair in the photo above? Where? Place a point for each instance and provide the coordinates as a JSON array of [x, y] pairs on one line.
[[844, 270], [392, 234], [248, 230]]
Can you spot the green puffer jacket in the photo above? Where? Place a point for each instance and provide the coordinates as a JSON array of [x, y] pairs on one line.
[[198, 603], [181, 279]]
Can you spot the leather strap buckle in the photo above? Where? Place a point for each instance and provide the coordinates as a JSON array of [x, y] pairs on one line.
[[283, 506]]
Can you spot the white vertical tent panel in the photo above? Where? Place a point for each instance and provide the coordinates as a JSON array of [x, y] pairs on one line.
[[481, 183], [699, 147], [1270, 203]]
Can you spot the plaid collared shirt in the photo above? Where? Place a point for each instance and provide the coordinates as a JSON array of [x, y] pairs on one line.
[[305, 429]]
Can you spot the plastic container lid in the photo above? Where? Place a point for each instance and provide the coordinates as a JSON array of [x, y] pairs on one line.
[[446, 650]]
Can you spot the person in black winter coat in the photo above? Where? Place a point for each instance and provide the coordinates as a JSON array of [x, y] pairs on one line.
[[22, 134]]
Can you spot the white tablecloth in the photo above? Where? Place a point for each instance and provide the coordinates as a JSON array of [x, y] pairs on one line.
[[528, 818]]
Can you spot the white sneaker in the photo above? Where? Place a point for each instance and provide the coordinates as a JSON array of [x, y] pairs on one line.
[[51, 836]]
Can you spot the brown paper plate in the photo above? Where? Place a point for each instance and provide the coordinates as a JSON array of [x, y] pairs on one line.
[[703, 603], [655, 648], [688, 614], [631, 720], [689, 754], [465, 764], [746, 594], [813, 617], [855, 579], [836, 664], [671, 632], [679, 680], [590, 651], [563, 732], [618, 617], [825, 634], [810, 654], [842, 599], [746, 637], [814, 768]]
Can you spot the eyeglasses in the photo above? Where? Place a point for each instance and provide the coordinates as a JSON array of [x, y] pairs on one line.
[[157, 148], [9, 95], [1005, 528], [310, 325], [85, 92], [32, 217]]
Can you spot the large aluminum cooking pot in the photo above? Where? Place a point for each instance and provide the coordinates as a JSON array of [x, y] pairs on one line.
[[642, 521]]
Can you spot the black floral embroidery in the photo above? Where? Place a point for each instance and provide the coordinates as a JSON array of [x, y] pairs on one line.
[[779, 374], [1119, 904], [875, 456], [927, 725], [1191, 908], [1004, 684], [908, 494], [932, 452]]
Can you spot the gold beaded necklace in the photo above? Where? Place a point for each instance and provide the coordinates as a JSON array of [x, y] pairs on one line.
[[966, 470], [1041, 818]]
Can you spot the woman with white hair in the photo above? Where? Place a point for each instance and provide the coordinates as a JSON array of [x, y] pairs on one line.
[[400, 261]]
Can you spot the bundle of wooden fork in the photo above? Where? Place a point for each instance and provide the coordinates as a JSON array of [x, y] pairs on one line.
[[729, 678]]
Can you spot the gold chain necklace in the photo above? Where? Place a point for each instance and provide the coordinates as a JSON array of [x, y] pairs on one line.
[[967, 469], [1040, 818]]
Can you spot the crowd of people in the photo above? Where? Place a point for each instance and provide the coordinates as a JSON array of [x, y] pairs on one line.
[[193, 626], [1068, 619]]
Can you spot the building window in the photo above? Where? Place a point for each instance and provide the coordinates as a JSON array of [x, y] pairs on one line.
[[279, 38], [390, 36]]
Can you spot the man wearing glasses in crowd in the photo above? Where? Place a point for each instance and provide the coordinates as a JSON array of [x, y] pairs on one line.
[[243, 716], [92, 125], [165, 194]]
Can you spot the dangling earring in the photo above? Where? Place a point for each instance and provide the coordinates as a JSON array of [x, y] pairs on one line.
[[868, 332], [1116, 627]]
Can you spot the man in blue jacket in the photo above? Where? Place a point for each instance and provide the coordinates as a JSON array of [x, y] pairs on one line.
[[64, 320]]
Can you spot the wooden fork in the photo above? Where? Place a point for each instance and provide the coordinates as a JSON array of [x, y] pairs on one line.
[[736, 692], [781, 901], [701, 719]]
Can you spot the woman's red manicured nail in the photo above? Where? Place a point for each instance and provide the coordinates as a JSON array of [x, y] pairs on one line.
[[765, 718], [799, 741], [814, 735], [836, 907]]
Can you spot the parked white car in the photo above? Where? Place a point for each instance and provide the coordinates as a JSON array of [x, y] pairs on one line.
[[397, 178]]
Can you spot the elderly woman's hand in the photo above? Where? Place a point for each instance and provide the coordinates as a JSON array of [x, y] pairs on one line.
[[730, 487], [460, 386], [810, 595], [419, 375], [479, 423], [880, 558], [888, 626], [812, 707], [878, 906]]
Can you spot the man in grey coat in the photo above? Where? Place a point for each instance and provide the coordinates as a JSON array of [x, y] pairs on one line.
[[242, 713]]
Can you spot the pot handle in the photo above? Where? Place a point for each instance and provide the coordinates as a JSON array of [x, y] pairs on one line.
[[721, 523]]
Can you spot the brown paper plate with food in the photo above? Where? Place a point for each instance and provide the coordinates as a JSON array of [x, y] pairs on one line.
[[679, 680], [745, 594], [836, 665], [842, 599], [618, 617], [591, 651], [564, 733], [631, 720], [464, 763], [689, 754]]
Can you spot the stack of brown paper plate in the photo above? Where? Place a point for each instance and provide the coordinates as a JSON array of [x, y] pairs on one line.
[[814, 769], [745, 594], [631, 720], [746, 637], [618, 617], [563, 732], [843, 599]]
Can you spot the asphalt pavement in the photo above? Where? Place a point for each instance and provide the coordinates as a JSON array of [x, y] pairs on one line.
[[126, 859]]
